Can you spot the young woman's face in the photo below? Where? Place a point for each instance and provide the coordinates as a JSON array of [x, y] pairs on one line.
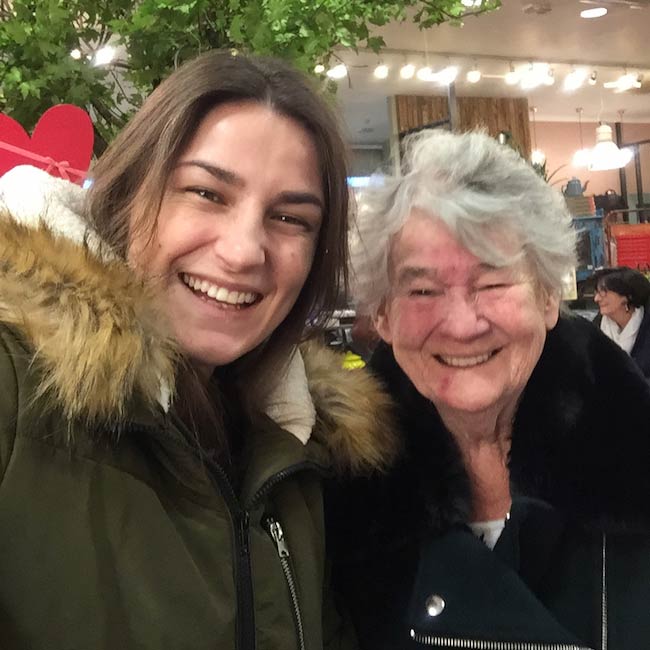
[[236, 233]]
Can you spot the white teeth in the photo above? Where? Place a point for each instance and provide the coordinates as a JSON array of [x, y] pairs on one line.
[[465, 362], [220, 294]]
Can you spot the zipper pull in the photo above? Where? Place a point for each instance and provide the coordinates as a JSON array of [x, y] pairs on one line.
[[278, 537]]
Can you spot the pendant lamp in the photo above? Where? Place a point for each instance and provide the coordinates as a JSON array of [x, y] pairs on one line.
[[606, 155]]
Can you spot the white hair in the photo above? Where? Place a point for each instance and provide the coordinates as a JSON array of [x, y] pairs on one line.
[[472, 184]]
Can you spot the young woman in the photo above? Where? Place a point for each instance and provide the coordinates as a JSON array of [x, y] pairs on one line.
[[146, 499]]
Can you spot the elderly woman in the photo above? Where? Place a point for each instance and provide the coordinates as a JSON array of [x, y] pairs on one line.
[[517, 515], [622, 296]]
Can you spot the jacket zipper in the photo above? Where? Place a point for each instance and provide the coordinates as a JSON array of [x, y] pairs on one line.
[[245, 620], [277, 534], [603, 597], [479, 644]]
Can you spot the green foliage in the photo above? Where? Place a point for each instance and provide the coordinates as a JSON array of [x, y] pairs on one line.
[[154, 36]]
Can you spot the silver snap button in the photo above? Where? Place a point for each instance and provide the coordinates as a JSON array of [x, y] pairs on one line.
[[435, 604]]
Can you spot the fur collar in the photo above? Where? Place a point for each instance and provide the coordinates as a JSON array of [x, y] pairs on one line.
[[99, 339], [581, 438]]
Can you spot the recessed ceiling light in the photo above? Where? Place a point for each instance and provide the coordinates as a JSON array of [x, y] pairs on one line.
[[596, 12]]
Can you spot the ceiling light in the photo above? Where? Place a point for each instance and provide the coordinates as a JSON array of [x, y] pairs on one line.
[[338, 71], [474, 75], [425, 74], [381, 71], [447, 75], [104, 55], [533, 76], [76, 54], [319, 68], [625, 82], [606, 155], [581, 158], [596, 12], [512, 76], [575, 79], [537, 157], [407, 71], [549, 79]]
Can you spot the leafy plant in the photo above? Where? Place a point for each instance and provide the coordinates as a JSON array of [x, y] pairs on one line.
[[154, 36], [540, 168]]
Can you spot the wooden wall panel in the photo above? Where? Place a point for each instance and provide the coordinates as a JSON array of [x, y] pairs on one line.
[[495, 114]]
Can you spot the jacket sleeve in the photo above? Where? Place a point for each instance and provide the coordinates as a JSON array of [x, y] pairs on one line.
[[8, 398]]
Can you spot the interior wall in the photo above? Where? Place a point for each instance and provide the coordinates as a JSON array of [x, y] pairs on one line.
[[560, 140]]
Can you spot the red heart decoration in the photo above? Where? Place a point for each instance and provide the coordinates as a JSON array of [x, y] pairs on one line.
[[62, 143]]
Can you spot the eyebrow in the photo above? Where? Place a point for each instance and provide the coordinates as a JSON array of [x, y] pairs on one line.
[[299, 198], [219, 173], [229, 177], [410, 273]]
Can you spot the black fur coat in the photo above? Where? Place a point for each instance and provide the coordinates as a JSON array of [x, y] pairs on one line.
[[573, 563]]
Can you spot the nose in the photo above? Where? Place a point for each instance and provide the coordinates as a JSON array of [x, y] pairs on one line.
[[241, 243], [462, 320]]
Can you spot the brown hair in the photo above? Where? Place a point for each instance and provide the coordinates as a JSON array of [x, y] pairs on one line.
[[131, 176]]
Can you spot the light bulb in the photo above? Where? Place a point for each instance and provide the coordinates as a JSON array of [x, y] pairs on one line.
[[512, 77], [596, 12], [474, 76], [381, 71], [425, 74], [338, 71], [447, 75], [407, 71], [538, 157], [104, 55]]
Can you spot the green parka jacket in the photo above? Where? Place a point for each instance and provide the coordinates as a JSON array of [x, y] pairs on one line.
[[115, 532]]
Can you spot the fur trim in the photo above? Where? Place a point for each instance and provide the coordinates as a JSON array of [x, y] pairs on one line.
[[96, 332], [354, 410]]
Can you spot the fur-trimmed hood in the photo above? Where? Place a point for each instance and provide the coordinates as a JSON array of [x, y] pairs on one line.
[[581, 437], [99, 338]]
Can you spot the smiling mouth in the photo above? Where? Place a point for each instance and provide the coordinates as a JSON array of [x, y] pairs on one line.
[[219, 295], [465, 361]]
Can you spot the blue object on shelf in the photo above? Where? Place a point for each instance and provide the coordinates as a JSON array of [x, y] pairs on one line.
[[591, 244]]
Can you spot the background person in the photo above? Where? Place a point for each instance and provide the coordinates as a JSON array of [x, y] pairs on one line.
[[146, 499], [622, 295], [517, 513]]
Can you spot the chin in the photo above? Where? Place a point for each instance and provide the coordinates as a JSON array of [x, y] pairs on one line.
[[215, 353]]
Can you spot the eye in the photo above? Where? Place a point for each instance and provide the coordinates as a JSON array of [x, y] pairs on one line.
[[431, 293], [292, 220], [493, 286], [208, 195]]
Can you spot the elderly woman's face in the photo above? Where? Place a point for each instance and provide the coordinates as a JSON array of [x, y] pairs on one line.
[[468, 335]]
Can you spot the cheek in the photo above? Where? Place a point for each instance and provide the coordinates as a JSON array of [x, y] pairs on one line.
[[413, 323]]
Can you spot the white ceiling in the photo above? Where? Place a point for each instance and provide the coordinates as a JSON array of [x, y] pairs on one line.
[[560, 37]]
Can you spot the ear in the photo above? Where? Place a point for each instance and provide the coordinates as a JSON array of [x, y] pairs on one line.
[[551, 310], [381, 322]]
